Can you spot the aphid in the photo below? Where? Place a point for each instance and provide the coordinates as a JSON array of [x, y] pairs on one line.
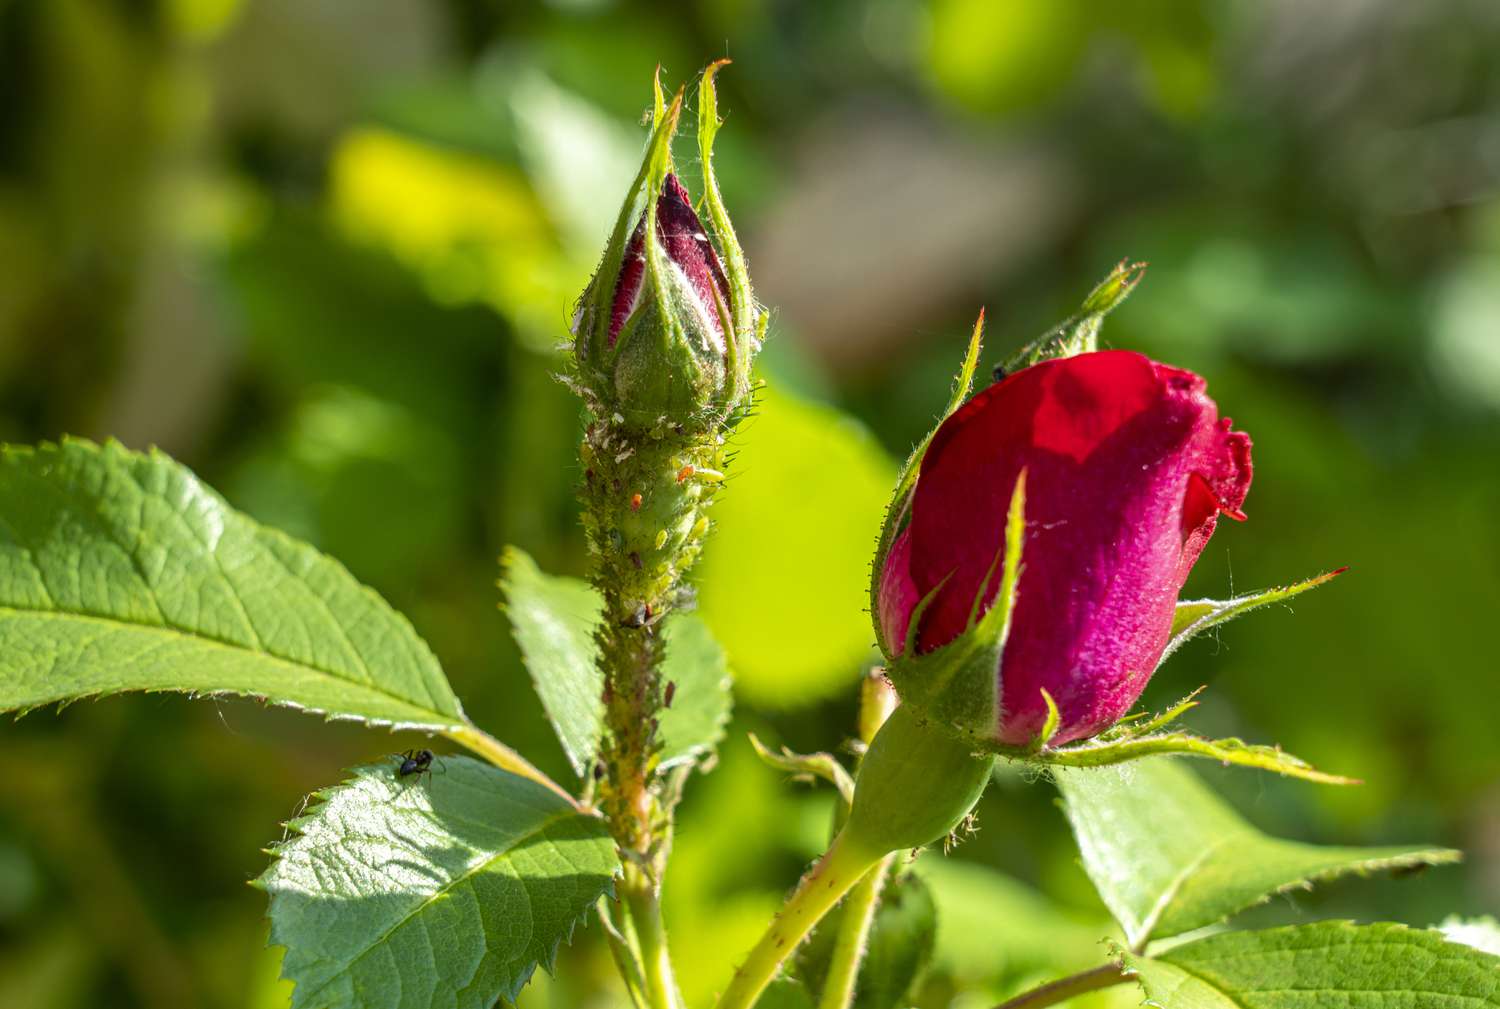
[[669, 693], [999, 373]]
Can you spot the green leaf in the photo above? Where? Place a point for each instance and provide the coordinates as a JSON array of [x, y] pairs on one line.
[[553, 619], [443, 890], [553, 622], [1331, 963], [693, 726], [1195, 616], [1167, 855], [897, 952], [121, 571]]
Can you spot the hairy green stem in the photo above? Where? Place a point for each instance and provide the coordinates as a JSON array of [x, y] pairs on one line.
[[642, 511], [632, 659], [854, 934], [841, 867], [1079, 984]]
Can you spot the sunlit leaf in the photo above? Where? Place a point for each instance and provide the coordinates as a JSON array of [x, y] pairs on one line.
[[702, 696], [443, 890], [1167, 855], [1332, 963], [121, 571], [553, 622]]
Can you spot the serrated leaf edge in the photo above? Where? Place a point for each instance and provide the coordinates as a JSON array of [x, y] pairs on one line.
[[1141, 938], [314, 805], [45, 449], [1124, 958]]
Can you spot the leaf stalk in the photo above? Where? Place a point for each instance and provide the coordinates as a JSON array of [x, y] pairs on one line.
[[1098, 979]]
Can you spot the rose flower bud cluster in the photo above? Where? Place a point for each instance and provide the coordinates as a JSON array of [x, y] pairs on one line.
[[1127, 467]]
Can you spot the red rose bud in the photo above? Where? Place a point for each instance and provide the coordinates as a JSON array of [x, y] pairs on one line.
[[696, 272], [667, 328], [1127, 467]]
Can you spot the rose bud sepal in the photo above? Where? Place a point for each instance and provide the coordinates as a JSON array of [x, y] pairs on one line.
[[747, 320], [899, 509], [669, 355], [592, 322], [957, 685], [1078, 334]]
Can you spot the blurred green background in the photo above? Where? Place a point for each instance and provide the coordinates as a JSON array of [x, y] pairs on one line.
[[323, 251]]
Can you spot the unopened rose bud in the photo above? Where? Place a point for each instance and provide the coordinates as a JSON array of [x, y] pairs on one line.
[[666, 333], [1127, 467], [668, 327]]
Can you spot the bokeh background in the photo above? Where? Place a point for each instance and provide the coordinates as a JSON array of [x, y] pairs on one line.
[[323, 251]]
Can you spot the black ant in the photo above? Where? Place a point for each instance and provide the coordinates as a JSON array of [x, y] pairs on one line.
[[414, 763]]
